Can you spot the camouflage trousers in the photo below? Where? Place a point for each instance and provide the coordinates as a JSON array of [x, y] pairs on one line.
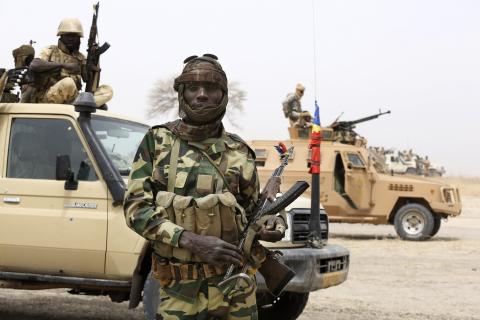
[[208, 303], [65, 91]]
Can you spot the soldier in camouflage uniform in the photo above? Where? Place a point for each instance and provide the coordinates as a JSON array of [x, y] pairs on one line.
[[191, 190], [292, 109], [59, 69]]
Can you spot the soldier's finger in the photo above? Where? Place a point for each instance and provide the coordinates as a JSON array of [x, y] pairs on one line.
[[231, 257], [270, 223], [231, 247]]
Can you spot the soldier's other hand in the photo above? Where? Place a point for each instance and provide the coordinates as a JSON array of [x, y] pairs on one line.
[[273, 230], [211, 250], [271, 189], [72, 67]]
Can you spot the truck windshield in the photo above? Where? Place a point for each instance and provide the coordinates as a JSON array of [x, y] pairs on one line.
[[120, 138]]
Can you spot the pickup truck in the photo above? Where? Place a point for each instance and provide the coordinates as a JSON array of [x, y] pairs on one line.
[[62, 181]]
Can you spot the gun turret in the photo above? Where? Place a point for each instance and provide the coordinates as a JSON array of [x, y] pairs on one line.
[[343, 130], [350, 125]]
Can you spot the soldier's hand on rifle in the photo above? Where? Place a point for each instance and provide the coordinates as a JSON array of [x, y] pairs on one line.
[[211, 250], [271, 189], [273, 230], [71, 67]]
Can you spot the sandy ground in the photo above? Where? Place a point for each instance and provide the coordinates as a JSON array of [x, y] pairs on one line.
[[388, 279]]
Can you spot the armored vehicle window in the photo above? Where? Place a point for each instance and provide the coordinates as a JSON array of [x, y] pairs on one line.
[[35, 144], [261, 157], [355, 160]]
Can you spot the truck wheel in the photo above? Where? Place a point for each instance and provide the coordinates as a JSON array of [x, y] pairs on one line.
[[288, 306], [414, 222], [437, 222], [151, 293]]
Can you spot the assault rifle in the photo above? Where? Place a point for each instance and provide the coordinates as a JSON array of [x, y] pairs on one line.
[[93, 55], [276, 274], [350, 125]]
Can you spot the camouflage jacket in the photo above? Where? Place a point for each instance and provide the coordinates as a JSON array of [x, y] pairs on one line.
[[59, 54], [196, 177], [291, 104]]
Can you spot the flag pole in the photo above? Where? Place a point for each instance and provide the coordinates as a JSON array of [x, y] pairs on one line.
[[314, 225], [315, 235]]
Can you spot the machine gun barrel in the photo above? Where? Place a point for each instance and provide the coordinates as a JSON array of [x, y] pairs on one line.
[[348, 125]]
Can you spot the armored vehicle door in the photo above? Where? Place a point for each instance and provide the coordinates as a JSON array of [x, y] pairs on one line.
[[352, 180], [44, 227]]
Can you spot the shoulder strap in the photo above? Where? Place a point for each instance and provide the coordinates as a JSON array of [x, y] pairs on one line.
[[216, 167], [172, 169]]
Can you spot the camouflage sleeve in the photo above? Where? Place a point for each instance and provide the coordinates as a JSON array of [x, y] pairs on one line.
[[141, 213], [83, 68], [45, 54], [249, 186]]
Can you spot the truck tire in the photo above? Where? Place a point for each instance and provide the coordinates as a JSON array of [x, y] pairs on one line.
[[151, 293], [438, 221], [289, 306], [414, 222]]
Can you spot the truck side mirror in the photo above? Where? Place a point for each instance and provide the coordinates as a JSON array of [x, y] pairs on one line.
[[349, 165], [63, 171]]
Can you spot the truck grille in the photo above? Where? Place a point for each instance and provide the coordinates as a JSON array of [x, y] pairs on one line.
[[448, 195], [300, 230], [333, 264], [400, 187]]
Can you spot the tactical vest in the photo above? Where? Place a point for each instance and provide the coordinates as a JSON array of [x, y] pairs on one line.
[[217, 214], [45, 80]]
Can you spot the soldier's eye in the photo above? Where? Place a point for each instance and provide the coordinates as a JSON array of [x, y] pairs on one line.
[[192, 88]]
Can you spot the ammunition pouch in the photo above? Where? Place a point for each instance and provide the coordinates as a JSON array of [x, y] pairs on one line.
[[165, 271], [216, 215]]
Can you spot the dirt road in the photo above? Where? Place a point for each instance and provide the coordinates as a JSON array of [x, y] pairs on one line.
[[389, 279], [394, 279]]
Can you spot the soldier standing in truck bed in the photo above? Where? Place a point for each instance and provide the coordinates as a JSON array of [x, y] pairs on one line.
[[59, 69]]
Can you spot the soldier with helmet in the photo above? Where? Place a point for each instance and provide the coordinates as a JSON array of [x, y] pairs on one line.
[[292, 109], [191, 190], [59, 69]]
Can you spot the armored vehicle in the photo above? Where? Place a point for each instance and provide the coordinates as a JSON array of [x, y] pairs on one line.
[[62, 182], [396, 161], [353, 189]]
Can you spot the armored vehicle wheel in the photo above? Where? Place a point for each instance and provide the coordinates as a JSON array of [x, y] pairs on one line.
[[151, 292], [414, 222], [438, 221], [288, 306]]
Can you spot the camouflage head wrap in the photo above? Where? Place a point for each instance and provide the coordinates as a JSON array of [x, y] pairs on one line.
[[23, 55], [202, 69]]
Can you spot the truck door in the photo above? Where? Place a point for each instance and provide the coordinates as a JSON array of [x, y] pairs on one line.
[[44, 227], [353, 180]]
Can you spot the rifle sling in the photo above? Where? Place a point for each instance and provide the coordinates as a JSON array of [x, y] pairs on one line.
[[172, 169], [217, 168]]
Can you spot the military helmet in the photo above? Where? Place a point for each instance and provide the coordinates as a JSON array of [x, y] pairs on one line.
[[70, 25], [300, 87]]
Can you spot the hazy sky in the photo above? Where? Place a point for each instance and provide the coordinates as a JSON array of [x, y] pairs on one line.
[[419, 59]]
